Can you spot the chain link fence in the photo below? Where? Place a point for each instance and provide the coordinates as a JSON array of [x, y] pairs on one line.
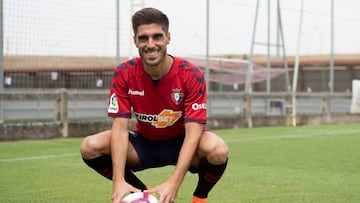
[[49, 45]]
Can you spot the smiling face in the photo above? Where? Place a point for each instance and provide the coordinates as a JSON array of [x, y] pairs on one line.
[[151, 41]]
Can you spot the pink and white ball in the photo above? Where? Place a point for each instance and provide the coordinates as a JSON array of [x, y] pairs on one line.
[[139, 197]]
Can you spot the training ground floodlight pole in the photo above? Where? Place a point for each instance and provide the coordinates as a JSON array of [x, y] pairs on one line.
[[280, 44], [296, 67]]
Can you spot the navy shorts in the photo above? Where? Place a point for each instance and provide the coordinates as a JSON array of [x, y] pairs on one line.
[[154, 154]]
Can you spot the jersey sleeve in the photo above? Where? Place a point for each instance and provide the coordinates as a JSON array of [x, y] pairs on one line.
[[119, 103], [195, 100]]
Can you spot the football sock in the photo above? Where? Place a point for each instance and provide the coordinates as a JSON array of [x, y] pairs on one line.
[[103, 165], [209, 174], [131, 178]]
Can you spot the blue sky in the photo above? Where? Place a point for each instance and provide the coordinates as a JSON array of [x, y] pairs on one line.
[[87, 27]]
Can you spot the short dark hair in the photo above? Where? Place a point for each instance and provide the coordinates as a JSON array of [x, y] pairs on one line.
[[148, 16]]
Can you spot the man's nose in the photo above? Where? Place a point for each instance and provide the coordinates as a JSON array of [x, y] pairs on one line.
[[151, 42]]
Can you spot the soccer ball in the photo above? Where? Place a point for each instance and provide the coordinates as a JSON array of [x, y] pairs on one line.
[[139, 197]]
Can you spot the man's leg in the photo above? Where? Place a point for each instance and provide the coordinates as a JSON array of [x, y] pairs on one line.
[[95, 151], [103, 165], [209, 174], [211, 167]]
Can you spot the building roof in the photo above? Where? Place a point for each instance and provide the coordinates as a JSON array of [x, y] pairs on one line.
[[229, 70], [310, 60]]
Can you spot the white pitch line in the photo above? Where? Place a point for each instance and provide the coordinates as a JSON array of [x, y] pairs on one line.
[[292, 136], [38, 157], [241, 139]]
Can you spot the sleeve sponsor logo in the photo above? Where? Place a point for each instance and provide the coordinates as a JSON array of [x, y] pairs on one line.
[[164, 119], [113, 104], [196, 106]]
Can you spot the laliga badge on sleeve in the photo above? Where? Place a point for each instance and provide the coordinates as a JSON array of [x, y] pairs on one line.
[[113, 104]]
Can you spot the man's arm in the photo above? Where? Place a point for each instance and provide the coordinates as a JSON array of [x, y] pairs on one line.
[[168, 190], [119, 147], [193, 132]]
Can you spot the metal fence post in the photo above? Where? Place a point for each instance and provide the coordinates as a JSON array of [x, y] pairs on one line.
[[289, 108], [1, 63], [326, 105], [247, 109], [61, 114]]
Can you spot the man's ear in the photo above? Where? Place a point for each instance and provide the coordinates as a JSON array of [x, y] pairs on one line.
[[134, 38], [168, 36]]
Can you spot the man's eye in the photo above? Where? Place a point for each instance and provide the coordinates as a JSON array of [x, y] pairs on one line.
[[158, 36], [142, 38]]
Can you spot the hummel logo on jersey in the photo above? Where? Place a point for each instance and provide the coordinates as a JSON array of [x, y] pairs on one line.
[[136, 92], [164, 119]]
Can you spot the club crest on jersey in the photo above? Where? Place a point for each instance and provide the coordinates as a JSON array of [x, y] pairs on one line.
[[177, 96]]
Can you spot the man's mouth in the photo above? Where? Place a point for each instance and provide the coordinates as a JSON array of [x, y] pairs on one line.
[[151, 53]]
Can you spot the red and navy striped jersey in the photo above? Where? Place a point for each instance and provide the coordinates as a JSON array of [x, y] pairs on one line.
[[161, 107]]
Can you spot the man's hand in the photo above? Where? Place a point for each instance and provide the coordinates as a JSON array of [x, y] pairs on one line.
[[120, 188], [168, 191]]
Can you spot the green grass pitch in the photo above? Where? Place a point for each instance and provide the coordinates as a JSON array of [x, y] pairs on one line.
[[319, 164]]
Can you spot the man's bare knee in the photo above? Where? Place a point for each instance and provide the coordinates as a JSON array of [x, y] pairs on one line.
[[85, 149], [221, 152], [213, 148], [216, 150], [95, 145]]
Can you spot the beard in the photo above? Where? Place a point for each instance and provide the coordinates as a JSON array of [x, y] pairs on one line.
[[153, 57]]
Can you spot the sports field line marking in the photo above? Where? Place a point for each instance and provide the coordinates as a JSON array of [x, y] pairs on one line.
[[243, 139], [292, 136], [38, 157]]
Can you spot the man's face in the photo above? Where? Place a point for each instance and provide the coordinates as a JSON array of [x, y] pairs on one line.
[[151, 41]]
